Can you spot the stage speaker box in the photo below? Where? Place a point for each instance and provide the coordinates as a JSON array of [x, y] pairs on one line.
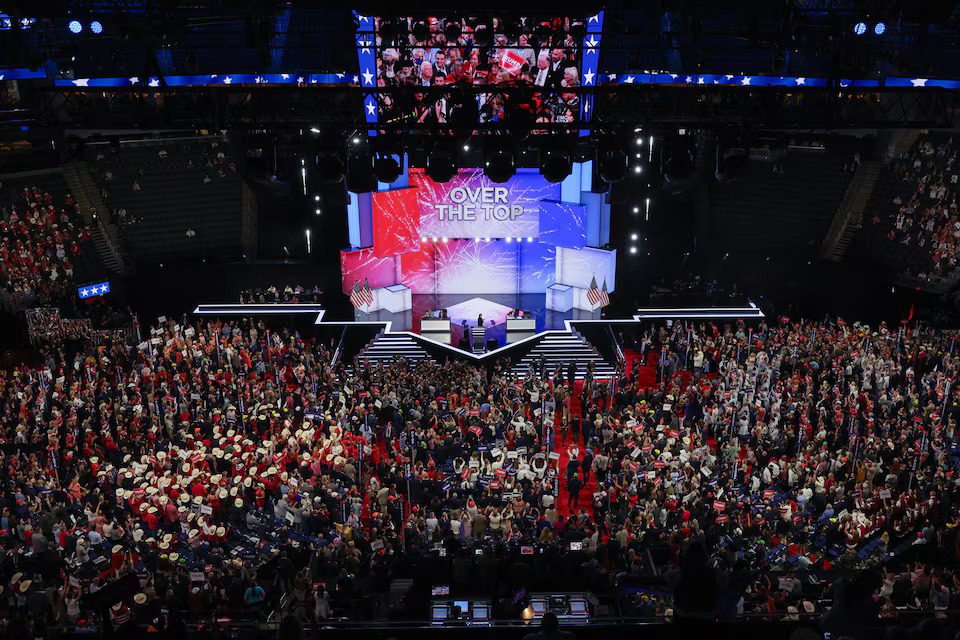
[[492, 344]]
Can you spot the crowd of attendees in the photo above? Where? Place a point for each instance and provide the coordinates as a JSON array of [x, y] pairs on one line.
[[290, 294], [229, 469], [40, 240], [541, 55], [926, 220]]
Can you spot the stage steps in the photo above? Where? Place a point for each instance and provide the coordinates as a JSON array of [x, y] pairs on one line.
[[387, 347], [560, 348]]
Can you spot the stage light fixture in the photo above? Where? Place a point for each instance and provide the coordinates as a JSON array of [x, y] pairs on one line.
[[633, 236], [441, 165], [452, 31], [75, 26], [316, 198], [500, 165], [421, 32], [529, 239], [638, 169], [96, 27], [556, 166], [613, 166], [880, 28], [433, 239], [486, 239], [356, 140], [330, 169], [387, 169], [360, 176], [633, 249], [636, 209], [316, 211], [860, 28], [443, 239], [422, 239], [509, 239]]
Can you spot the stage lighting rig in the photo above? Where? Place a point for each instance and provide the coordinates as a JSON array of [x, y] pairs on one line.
[[330, 169], [613, 165], [360, 176], [386, 168], [442, 163], [500, 161], [555, 165]]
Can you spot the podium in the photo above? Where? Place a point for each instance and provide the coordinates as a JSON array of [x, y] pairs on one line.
[[478, 336], [436, 329]]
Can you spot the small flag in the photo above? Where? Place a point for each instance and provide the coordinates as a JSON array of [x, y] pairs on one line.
[[593, 293], [358, 297], [604, 295], [367, 292]]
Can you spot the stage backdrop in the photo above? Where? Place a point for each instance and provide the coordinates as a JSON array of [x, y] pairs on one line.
[[471, 235]]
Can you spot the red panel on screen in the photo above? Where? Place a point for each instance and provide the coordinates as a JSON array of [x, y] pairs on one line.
[[396, 222], [360, 264], [419, 269]]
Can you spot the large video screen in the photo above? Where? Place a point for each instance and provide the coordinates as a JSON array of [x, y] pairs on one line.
[[543, 55]]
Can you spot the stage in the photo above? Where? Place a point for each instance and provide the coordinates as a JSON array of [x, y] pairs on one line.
[[467, 307]]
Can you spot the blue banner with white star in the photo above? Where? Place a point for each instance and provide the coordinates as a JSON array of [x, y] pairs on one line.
[[93, 290], [589, 65], [367, 65]]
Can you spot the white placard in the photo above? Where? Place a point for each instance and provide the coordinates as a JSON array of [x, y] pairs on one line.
[[511, 454], [377, 544], [885, 494], [206, 510], [196, 576], [161, 319], [635, 453], [290, 518], [154, 340], [554, 455]]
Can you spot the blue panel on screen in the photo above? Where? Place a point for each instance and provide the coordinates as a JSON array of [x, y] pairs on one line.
[[366, 219], [570, 187], [576, 267], [604, 223], [353, 219], [562, 224], [537, 267], [586, 177], [593, 206]]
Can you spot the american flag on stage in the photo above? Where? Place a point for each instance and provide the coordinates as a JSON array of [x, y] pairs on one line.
[[593, 293], [361, 296], [604, 296]]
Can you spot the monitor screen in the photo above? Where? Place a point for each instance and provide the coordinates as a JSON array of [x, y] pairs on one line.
[[420, 61], [480, 612], [439, 612], [578, 607], [440, 590], [464, 606], [539, 606], [576, 546], [527, 551]]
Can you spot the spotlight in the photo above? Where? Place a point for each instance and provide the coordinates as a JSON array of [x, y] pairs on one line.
[[97, 28], [880, 28], [633, 236], [421, 32], [422, 239], [500, 163], [316, 198], [441, 165], [529, 239], [613, 166], [636, 209], [356, 140], [75, 26], [638, 169], [387, 169], [633, 249], [360, 176], [466, 147], [639, 141], [317, 211], [476, 239], [443, 239], [433, 239], [331, 169], [556, 166], [452, 31], [486, 239], [509, 239], [860, 28]]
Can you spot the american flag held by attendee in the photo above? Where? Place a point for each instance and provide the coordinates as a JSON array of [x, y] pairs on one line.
[[593, 293]]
